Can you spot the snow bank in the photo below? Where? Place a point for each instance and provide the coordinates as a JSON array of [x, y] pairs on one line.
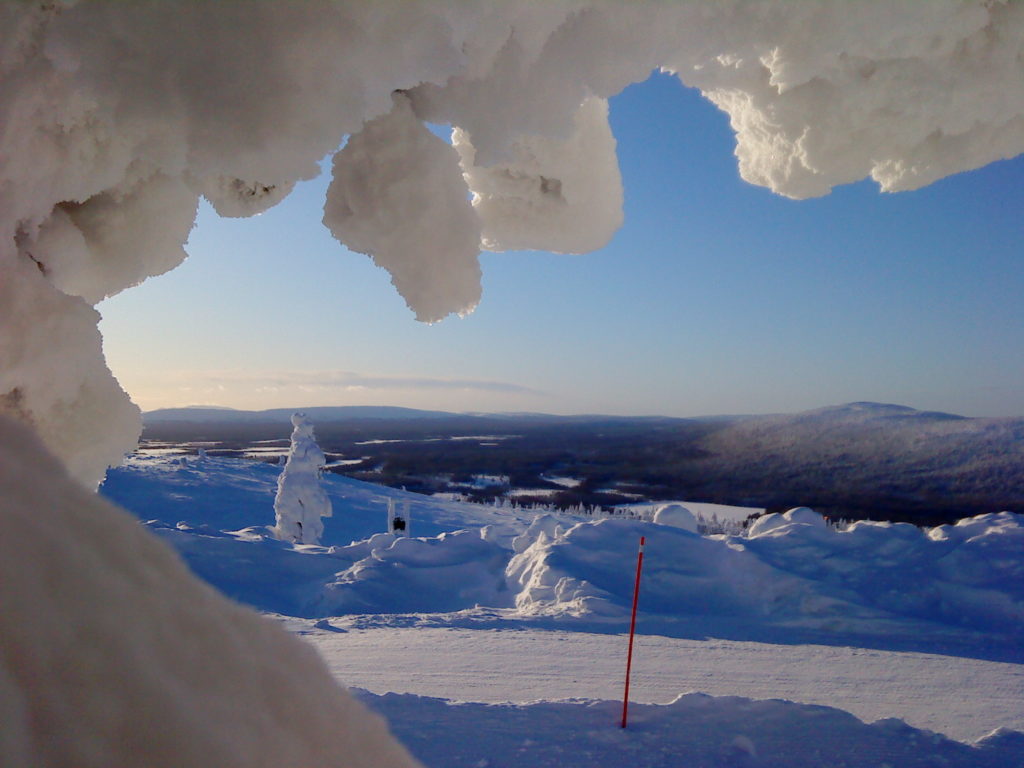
[[118, 116], [725, 732], [967, 575], [451, 572], [675, 515], [111, 653], [798, 572], [589, 569], [775, 521]]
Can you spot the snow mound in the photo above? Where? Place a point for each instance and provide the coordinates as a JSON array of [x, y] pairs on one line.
[[774, 521], [677, 516], [967, 575], [589, 569], [448, 573], [112, 653], [548, 525]]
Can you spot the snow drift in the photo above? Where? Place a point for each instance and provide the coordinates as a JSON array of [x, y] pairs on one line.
[[118, 116], [111, 653], [798, 574], [790, 570]]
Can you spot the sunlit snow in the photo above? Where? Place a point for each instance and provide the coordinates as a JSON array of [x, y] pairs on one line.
[[514, 611], [117, 117]]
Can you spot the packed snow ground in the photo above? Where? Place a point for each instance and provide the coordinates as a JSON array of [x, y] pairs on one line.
[[511, 613], [531, 664]]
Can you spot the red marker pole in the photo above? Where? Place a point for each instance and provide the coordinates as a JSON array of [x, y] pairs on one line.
[[632, 629]]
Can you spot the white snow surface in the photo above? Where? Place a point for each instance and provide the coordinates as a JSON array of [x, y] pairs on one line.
[[520, 664], [113, 654], [870, 579], [775, 520], [555, 194], [118, 116], [520, 619], [398, 195], [675, 515]]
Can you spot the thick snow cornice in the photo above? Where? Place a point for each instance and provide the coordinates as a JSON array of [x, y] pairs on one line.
[[118, 116]]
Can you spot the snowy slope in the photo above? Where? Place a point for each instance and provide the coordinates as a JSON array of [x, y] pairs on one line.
[[499, 609], [871, 580]]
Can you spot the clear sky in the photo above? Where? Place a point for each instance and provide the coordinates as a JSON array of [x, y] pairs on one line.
[[716, 296]]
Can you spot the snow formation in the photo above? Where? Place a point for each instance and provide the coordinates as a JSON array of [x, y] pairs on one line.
[[867, 579], [487, 604], [118, 116], [301, 504], [795, 516], [112, 653], [675, 515]]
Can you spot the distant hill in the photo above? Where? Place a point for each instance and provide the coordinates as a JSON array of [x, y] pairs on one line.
[[856, 460], [852, 455], [203, 414]]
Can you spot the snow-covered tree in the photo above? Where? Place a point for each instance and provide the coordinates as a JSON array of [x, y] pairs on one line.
[[301, 501]]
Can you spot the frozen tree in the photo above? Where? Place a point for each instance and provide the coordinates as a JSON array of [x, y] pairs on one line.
[[301, 500]]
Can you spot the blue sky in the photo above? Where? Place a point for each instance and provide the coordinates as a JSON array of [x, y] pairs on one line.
[[715, 297]]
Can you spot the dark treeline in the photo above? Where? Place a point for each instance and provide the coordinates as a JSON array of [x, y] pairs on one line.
[[839, 468]]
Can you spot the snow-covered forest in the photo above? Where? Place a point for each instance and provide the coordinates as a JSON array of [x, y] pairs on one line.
[[118, 117]]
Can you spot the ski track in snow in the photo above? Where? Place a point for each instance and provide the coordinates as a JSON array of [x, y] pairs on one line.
[[959, 697]]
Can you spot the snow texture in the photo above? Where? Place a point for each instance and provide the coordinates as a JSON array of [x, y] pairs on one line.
[[562, 195], [112, 653], [693, 730], [487, 605], [301, 503], [524, 662], [118, 116], [870, 579], [398, 195]]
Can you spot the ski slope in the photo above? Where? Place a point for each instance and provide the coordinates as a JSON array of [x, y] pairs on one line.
[[524, 665]]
